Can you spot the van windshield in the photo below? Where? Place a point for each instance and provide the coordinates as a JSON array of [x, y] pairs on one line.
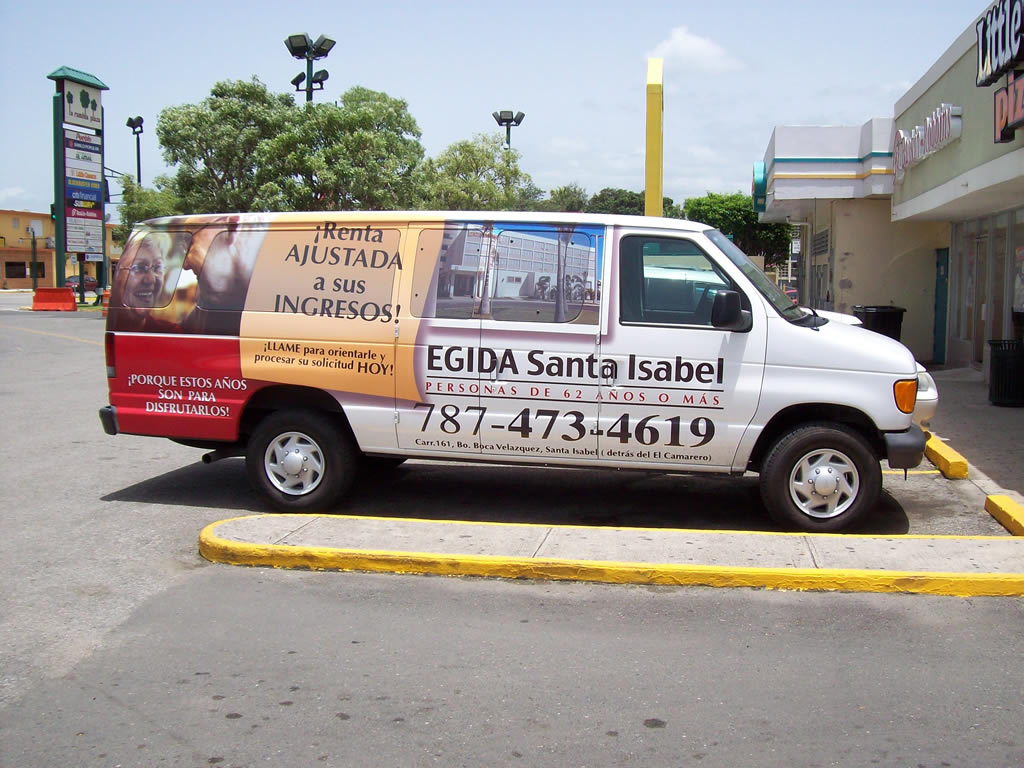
[[782, 303]]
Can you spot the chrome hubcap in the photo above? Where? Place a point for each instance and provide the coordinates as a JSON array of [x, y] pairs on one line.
[[824, 483], [294, 463]]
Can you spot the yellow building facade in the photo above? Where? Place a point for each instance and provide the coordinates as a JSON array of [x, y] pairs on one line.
[[17, 267]]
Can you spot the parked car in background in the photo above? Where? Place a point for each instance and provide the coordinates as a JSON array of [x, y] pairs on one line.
[[71, 281]]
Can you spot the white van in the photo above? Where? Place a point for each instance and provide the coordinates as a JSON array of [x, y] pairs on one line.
[[313, 343]]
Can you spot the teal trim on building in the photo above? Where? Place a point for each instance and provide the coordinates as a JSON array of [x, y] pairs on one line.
[[831, 159], [759, 188]]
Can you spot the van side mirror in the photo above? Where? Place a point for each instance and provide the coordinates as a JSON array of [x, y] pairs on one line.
[[727, 312]]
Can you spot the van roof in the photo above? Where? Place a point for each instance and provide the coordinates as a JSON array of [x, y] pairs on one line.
[[426, 217]]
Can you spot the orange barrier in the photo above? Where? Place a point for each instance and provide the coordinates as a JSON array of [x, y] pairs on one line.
[[106, 300], [54, 299]]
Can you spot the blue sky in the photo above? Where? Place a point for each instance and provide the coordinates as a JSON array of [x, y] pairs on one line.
[[733, 70]]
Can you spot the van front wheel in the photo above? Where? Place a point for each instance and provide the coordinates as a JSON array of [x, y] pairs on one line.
[[300, 461], [820, 477]]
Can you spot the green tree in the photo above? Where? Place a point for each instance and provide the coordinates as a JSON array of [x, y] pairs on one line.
[[734, 215], [615, 200], [362, 154], [571, 198], [139, 203], [478, 174], [622, 201], [214, 144]]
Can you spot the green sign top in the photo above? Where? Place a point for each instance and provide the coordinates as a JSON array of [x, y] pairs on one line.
[[77, 76]]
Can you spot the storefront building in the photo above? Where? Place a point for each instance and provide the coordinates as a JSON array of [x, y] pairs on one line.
[[972, 178], [17, 266], [924, 210]]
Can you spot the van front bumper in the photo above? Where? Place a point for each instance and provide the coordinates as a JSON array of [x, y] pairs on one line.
[[108, 418], [905, 450]]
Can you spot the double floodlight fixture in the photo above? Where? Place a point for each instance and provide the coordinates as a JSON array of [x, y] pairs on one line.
[[506, 119], [303, 47], [135, 123]]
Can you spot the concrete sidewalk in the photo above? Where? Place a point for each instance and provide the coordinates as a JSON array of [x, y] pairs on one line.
[[946, 565], [990, 436]]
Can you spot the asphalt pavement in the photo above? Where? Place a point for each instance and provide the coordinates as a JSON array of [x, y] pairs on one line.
[[991, 438]]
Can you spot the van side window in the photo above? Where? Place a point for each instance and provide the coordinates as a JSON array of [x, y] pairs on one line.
[[448, 271], [667, 281], [489, 271], [543, 276], [150, 281]]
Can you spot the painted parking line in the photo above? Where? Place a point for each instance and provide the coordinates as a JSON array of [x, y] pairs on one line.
[[51, 333]]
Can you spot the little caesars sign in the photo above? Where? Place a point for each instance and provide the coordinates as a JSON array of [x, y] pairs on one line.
[[1000, 50]]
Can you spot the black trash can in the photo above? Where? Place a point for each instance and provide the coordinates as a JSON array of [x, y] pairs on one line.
[[1006, 373], [884, 319]]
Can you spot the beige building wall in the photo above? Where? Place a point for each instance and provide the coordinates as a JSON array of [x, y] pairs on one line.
[[880, 262]]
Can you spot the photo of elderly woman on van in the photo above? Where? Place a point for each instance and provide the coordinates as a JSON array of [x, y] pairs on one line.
[[140, 296], [183, 281]]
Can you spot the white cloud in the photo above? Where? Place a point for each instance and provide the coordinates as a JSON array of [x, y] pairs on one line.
[[566, 145], [691, 52], [11, 193]]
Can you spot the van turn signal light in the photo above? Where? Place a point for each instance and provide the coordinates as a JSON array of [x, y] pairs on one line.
[[905, 393]]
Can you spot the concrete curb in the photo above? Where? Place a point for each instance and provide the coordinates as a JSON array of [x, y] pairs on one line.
[[216, 548], [950, 463], [1006, 511]]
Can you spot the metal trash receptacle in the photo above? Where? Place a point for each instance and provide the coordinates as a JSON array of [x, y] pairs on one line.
[[1006, 372], [884, 319]]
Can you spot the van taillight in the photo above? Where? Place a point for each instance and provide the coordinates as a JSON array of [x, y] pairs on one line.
[[108, 349]]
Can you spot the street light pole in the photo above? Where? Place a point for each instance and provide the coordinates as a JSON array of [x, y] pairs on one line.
[[302, 47], [506, 119], [135, 123], [35, 277]]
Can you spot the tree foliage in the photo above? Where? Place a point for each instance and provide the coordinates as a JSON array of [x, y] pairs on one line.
[[571, 198], [623, 201], [362, 154], [478, 174], [139, 203], [215, 144], [734, 215]]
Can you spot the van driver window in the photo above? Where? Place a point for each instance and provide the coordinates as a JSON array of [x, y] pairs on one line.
[[667, 281]]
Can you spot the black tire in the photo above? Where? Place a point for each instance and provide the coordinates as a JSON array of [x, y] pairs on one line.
[[300, 460], [821, 477]]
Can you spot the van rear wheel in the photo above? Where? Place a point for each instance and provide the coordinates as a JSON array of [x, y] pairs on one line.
[[820, 478], [300, 461]]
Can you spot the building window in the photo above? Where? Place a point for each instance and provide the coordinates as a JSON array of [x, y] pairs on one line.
[[819, 245], [39, 269], [15, 269]]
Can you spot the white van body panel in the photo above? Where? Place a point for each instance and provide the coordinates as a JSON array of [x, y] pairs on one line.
[[582, 340]]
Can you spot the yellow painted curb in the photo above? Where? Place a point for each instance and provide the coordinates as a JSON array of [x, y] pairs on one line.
[[1006, 511], [950, 463], [219, 550]]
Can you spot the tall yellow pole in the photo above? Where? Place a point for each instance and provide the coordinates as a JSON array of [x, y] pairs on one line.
[[654, 188]]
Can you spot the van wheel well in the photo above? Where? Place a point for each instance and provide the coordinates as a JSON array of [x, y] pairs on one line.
[[276, 398], [790, 418]]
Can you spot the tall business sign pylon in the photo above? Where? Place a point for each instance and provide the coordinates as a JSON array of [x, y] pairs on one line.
[[78, 194]]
